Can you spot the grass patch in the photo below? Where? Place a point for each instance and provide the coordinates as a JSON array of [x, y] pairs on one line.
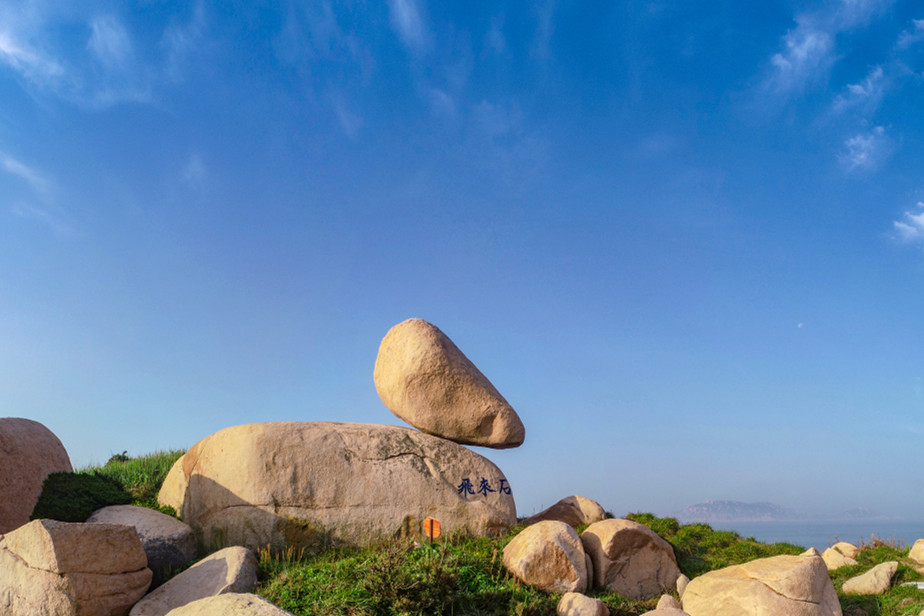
[[72, 497]]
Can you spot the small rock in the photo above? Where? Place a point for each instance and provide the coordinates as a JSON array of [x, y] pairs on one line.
[[576, 604], [630, 558], [67, 569], [810, 552], [847, 549], [423, 378], [29, 452], [682, 582], [667, 611], [169, 544], [668, 602], [231, 570], [874, 582], [548, 556], [835, 560], [238, 604], [917, 552], [572, 510]]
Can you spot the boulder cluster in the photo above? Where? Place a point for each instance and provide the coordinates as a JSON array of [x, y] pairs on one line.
[[301, 486], [278, 486]]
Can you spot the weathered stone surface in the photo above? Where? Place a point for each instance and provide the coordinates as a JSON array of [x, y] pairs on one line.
[[572, 510], [666, 611], [835, 560], [668, 602], [810, 552], [847, 549], [29, 452], [307, 484], [231, 570], [548, 555], [238, 604], [629, 558], [424, 379], [791, 585], [50, 568], [917, 552], [168, 543], [576, 604], [681, 584], [874, 582]]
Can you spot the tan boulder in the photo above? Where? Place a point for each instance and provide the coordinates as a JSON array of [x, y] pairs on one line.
[[835, 560], [668, 602], [548, 556], [791, 585], [51, 568], [312, 484], [666, 611], [424, 379], [576, 604], [681, 584], [168, 543], [847, 549], [238, 604], [572, 510], [630, 559], [29, 452], [874, 582], [917, 552], [231, 570]]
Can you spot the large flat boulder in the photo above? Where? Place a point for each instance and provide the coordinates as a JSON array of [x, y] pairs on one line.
[[29, 452], [311, 484], [791, 585], [630, 559], [51, 568], [548, 556], [168, 543], [424, 379], [231, 570]]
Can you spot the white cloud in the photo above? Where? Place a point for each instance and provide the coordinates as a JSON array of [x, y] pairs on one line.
[[865, 151], [915, 35], [910, 228], [808, 54], [181, 41], [350, 122], [110, 42], [408, 23], [809, 49], [863, 97], [32, 177], [29, 63]]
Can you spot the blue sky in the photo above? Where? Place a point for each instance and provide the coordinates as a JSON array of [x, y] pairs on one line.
[[685, 240]]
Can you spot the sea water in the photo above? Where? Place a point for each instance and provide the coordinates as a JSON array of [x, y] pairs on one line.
[[823, 534]]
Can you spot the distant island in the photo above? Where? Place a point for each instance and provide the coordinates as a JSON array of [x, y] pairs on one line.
[[712, 512]]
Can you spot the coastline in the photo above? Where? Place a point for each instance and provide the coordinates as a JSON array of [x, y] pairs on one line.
[[821, 534]]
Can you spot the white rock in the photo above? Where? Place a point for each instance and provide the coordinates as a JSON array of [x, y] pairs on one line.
[[874, 582], [576, 604], [231, 570], [231, 604], [548, 556]]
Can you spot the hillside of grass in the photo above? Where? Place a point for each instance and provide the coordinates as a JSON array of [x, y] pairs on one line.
[[457, 575]]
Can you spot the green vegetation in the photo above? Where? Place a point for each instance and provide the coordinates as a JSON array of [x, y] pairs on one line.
[[458, 575], [72, 497]]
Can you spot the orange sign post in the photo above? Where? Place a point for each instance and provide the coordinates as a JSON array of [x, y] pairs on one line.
[[431, 528]]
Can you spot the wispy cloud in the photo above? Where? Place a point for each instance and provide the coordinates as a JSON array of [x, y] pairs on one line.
[[350, 122], [32, 177], [545, 28], [109, 42], [408, 23], [863, 97], [912, 36], [910, 229], [865, 151], [181, 41], [809, 49], [42, 206], [494, 40]]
